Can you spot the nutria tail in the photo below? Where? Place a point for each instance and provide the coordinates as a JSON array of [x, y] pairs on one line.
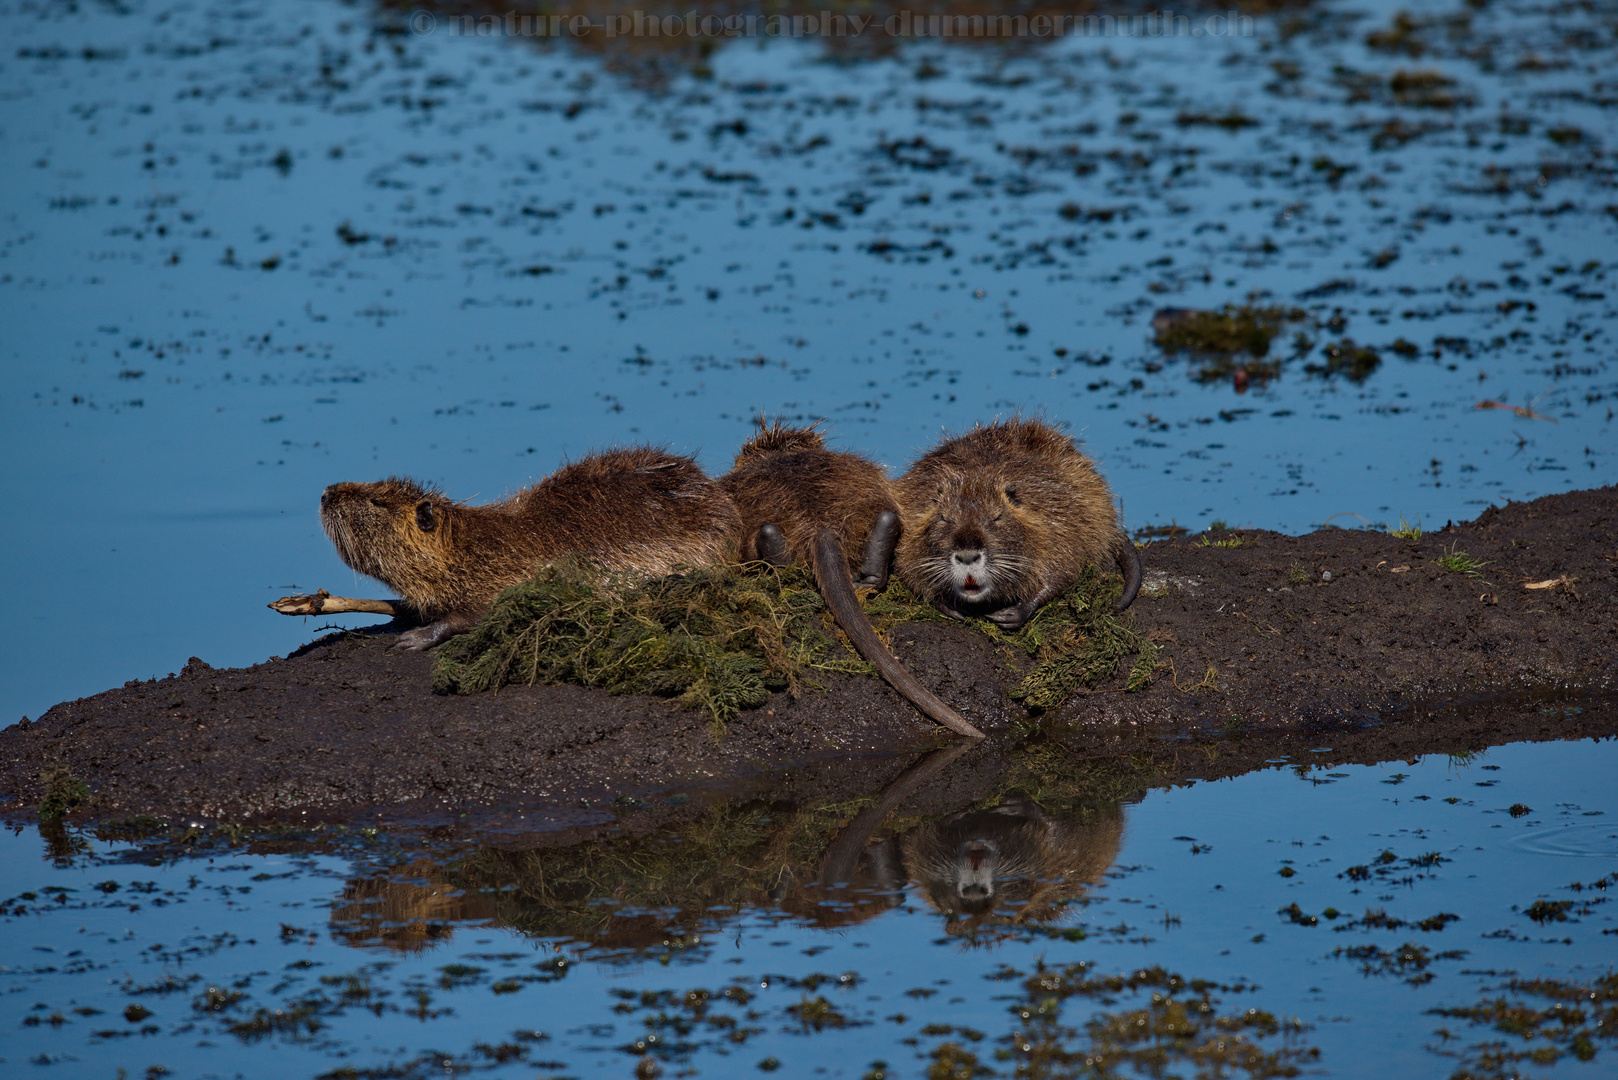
[[1129, 566], [837, 587]]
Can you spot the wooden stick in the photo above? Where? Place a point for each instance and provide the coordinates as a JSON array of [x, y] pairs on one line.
[[324, 603], [1550, 583]]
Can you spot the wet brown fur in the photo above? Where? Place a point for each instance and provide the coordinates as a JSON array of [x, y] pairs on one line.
[[1021, 494], [639, 510], [826, 504]]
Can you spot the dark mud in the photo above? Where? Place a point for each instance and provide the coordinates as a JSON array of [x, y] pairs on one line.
[[1262, 657]]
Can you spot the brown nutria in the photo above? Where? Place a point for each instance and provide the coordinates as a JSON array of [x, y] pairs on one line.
[[638, 510], [1000, 520], [802, 503]]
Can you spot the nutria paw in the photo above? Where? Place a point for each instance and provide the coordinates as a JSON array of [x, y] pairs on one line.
[[879, 545], [1013, 618]]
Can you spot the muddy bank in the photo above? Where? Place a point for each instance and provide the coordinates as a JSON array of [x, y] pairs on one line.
[[1259, 649]]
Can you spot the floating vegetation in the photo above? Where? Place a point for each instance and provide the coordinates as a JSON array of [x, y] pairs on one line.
[[1176, 1027], [1234, 339], [1234, 120], [1538, 1022], [722, 638], [1408, 962], [1346, 358], [1426, 90]]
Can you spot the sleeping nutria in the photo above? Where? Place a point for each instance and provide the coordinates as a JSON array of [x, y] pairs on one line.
[[639, 510], [1000, 520], [802, 503]]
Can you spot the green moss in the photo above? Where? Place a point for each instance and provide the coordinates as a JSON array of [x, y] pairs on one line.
[[722, 638], [719, 638], [63, 792]]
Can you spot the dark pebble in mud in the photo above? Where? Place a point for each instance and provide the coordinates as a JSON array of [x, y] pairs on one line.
[[1256, 644]]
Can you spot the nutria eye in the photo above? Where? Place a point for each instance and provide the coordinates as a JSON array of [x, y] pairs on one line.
[[379, 504], [424, 516], [1011, 494]]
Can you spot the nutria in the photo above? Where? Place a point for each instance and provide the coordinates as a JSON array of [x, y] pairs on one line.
[[639, 511], [802, 503], [1000, 520]]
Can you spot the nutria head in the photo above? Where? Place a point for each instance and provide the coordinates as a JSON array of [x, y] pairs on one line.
[[1000, 518], [978, 542], [392, 529]]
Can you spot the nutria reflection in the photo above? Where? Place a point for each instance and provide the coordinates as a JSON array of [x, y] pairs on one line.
[[1013, 859], [1008, 864], [405, 910]]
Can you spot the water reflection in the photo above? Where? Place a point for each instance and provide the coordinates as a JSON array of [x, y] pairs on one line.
[[983, 866], [800, 928]]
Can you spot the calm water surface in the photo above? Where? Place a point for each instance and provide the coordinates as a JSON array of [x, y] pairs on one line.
[[1369, 928]]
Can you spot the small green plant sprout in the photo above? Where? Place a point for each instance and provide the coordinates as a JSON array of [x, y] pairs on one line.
[[1218, 526], [1297, 576], [1460, 562], [1231, 540], [1406, 530]]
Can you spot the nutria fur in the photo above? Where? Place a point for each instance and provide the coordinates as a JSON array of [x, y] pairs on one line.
[[639, 511], [1000, 520], [802, 503]]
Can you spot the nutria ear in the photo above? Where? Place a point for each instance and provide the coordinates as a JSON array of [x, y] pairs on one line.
[[424, 516], [1011, 494]]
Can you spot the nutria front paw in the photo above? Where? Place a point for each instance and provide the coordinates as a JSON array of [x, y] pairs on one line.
[[1012, 618], [434, 633], [416, 640]]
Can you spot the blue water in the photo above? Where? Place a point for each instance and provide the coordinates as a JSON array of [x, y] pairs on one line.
[[247, 250], [1194, 888]]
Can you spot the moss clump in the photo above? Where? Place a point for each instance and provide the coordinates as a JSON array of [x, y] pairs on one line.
[[63, 792], [719, 638], [1075, 641], [722, 638]]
